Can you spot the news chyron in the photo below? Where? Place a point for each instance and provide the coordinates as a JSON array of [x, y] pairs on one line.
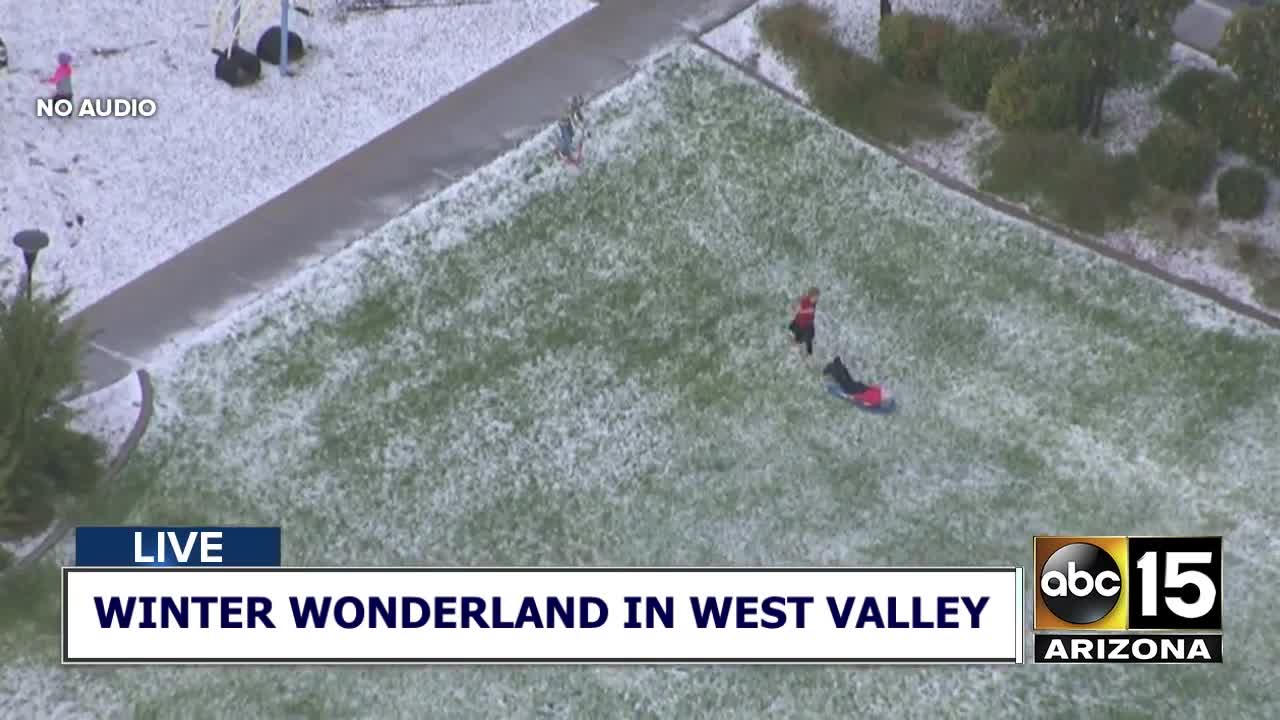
[[1128, 599]]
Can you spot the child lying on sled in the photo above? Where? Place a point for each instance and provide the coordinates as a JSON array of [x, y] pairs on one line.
[[868, 396]]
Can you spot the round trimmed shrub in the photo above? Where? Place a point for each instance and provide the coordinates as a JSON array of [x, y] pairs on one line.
[[970, 63], [1035, 93], [1242, 193], [1185, 94], [1178, 157], [1207, 100], [911, 45]]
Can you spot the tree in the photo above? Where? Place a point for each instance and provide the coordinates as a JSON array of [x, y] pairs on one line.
[[1251, 46], [42, 458], [1105, 27]]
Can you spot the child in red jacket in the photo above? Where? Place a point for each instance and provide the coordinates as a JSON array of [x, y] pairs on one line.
[[802, 325]]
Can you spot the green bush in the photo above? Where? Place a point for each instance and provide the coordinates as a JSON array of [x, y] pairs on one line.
[[1250, 45], [792, 29], [1267, 291], [42, 459], [970, 63], [853, 92], [1097, 191], [1242, 193], [911, 45], [1257, 130], [1039, 92], [1178, 157], [1186, 94], [1207, 100], [1076, 182]]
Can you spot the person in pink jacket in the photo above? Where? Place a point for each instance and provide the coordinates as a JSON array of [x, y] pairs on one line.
[[61, 79]]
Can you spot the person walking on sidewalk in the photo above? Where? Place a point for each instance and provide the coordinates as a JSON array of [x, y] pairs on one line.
[[802, 323]]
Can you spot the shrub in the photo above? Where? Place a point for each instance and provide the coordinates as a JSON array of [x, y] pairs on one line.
[[1250, 44], [1178, 157], [911, 45], [792, 28], [1014, 164], [1178, 221], [1207, 100], [1101, 190], [1186, 93], [1267, 291], [852, 91], [1256, 130], [1076, 182], [42, 459], [1242, 193], [1039, 92], [1249, 252], [970, 62]]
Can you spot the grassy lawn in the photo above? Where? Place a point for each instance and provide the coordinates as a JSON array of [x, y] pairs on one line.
[[547, 369]]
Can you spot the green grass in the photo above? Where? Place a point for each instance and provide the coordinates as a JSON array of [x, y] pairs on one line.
[[598, 375]]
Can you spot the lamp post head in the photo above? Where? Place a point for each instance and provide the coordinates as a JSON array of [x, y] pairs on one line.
[[31, 242]]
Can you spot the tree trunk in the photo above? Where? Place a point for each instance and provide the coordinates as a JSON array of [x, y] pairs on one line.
[[1095, 121], [1089, 121], [1085, 110]]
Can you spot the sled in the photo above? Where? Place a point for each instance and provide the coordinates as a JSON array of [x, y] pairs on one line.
[[883, 408]]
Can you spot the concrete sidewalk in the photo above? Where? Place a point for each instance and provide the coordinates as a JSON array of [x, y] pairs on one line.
[[385, 178]]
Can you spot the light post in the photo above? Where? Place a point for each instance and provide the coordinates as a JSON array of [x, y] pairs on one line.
[[30, 242], [284, 38]]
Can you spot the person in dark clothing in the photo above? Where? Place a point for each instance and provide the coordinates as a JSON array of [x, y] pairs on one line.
[[802, 323], [568, 144], [871, 396], [838, 372]]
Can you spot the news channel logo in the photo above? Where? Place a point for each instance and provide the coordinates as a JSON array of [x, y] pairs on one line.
[[1128, 599]]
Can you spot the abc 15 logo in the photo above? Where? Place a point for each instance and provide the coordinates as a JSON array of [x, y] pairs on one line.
[[1128, 583]]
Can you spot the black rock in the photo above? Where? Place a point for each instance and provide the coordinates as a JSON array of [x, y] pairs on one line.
[[237, 68], [269, 46]]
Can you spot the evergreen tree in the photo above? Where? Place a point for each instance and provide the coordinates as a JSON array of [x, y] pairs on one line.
[[42, 458]]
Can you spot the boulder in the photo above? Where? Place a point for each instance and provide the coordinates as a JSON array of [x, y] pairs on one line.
[[269, 46], [237, 68]]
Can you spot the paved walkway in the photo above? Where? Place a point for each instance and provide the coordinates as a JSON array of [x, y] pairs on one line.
[[385, 178]]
